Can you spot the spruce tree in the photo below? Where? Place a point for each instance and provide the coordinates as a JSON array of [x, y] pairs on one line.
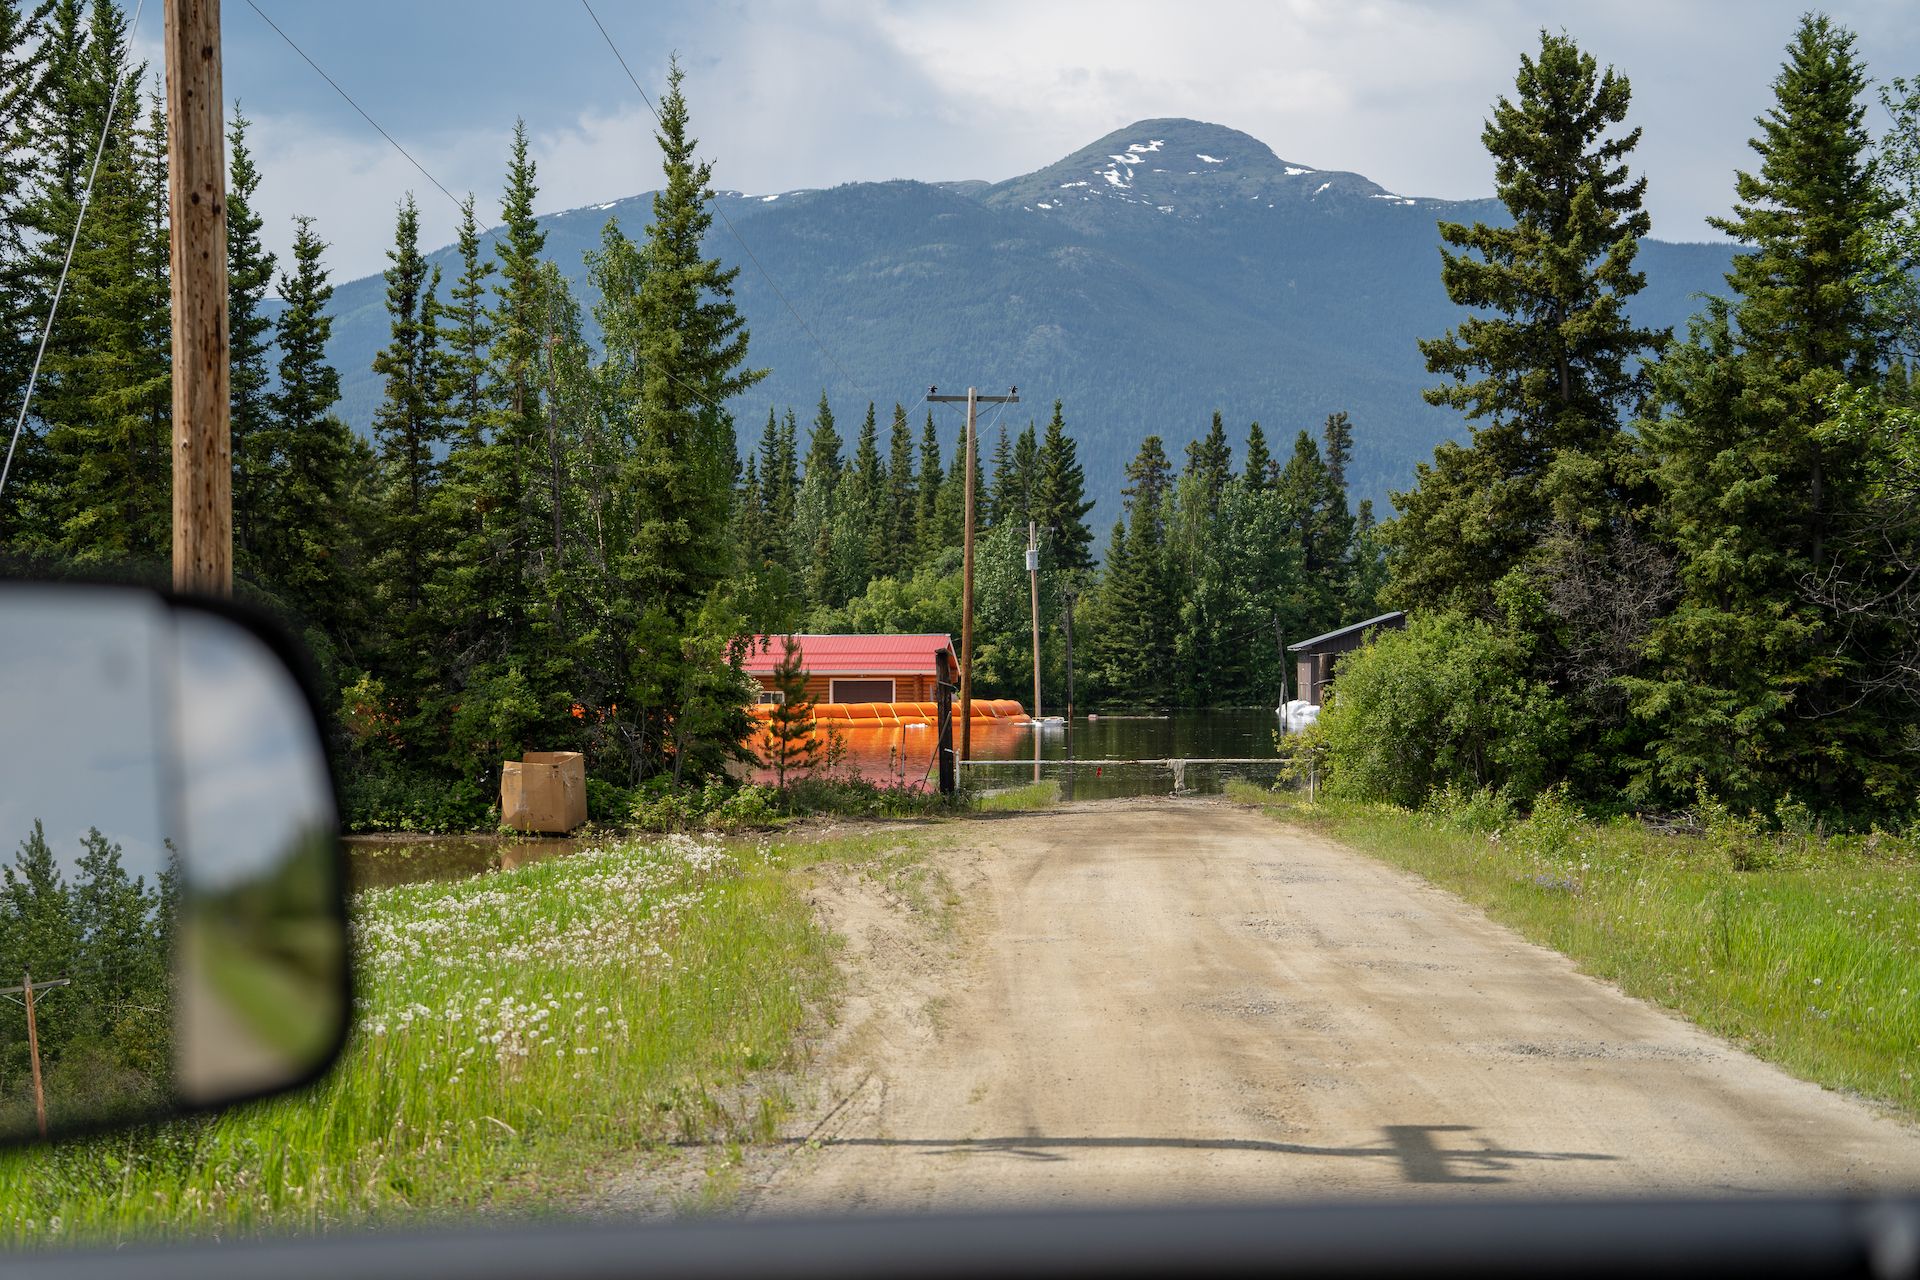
[[1260, 465], [928, 491], [108, 407], [24, 51], [307, 554], [250, 268], [692, 360], [466, 589], [1060, 503], [895, 557], [994, 488], [409, 426], [1749, 691], [1546, 365]]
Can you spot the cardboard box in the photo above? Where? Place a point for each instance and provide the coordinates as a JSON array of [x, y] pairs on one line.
[[544, 793]]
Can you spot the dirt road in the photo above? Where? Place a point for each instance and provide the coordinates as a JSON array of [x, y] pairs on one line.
[[1158, 1000]]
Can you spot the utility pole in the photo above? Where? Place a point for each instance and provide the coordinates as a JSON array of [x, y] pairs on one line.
[[1033, 583], [973, 401], [25, 990], [197, 239], [1070, 598], [1281, 644]]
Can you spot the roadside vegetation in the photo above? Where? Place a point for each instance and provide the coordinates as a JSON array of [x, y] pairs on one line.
[[514, 1032], [1803, 948]]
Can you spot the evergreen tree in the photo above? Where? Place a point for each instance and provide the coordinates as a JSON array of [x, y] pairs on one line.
[[929, 491], [108, 407], [1750, 692], [305, 547], [999, 484], [1546, 365], [951, 504], [1210, 460], [791, 744], [466, 591], [409, 426], [894, 557], [515, 417], [250, 268], [1260, 465], [694, 349], [1060, 504], [24, 51]]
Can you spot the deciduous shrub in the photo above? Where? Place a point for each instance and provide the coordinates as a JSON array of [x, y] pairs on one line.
[[1439, 705]]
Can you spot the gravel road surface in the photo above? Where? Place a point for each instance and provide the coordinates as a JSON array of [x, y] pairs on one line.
[[1183, 999]]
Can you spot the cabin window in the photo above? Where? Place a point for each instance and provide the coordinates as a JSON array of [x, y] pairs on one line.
[[860, 691], [778, 696]]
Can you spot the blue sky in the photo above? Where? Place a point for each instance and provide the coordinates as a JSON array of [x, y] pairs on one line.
[[818, 92]]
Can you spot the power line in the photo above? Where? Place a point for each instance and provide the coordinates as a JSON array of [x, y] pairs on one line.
[[362, 110], [728, 222], [705, 399], [60, 286]]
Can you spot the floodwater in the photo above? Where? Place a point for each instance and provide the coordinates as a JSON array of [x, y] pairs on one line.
[[375, 862], [1094, 758]]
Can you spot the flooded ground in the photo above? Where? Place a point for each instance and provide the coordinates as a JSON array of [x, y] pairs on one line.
[[375, 862], [1092, 758], [1096, 758]]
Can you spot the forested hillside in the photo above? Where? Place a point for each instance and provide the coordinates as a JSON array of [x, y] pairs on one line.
[[1241, 287]]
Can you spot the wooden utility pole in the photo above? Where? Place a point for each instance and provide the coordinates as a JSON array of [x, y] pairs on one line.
[[1033, 583], [1280, 643], [25, 990], [1069, 599], [197, 238], [973, 401]]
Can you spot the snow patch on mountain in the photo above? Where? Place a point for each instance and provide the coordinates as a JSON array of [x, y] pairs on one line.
[[1209, 159]]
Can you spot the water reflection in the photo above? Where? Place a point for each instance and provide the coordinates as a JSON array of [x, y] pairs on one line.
[[1009, 753], [380, 861]]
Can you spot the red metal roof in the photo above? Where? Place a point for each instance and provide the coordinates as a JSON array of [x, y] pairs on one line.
[[851, 655]]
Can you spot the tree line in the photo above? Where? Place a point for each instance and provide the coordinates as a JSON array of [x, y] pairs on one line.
[[1667, 563], [551, 542], [106, 1041]]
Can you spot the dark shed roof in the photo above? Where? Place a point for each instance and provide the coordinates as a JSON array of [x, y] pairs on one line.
[[1330, 639]]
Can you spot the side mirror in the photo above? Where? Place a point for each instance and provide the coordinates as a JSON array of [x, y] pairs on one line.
[[173, 931]]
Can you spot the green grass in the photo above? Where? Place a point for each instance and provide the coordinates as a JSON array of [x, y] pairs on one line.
[[1805, 951], [1032, 795], [515, 1032]]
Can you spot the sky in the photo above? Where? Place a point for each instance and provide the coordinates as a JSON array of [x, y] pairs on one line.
[[814, 93], [153, 727]]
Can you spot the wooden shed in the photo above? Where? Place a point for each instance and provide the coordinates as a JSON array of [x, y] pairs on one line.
[[861, 679], [1315, 659]]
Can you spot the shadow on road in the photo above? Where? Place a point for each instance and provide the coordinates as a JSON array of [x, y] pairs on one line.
[[1421, 1158]]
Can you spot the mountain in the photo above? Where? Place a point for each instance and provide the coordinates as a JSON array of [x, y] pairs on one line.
[[1167, 270]]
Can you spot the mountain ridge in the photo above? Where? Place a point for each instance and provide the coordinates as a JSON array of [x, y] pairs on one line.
[[1181, 268]]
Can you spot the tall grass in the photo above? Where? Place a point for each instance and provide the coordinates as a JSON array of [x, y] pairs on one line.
[[512, 1030], [1804, 950]]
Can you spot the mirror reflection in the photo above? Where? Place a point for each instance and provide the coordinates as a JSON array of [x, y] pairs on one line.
[[170, 927]]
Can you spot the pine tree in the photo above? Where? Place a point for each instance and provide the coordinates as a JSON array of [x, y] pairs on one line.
[[1750, 693], [791, 744], [929, 490], [409, 426], [515, 418], [1546, 366], [1210, 460], [860, 531], [24, 51], [1260, 466], [306, 552], [995, 488], [109, 404], [466, 590], [693, 359], [250, 268], [895, 556], [1060, 503], [815, 502], [951, 504]]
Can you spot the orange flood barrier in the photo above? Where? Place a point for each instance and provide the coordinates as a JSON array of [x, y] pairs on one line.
[[885, 714]]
